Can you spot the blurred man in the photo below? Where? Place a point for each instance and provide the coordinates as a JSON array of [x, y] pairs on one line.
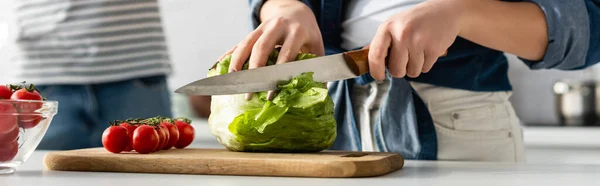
[[102, 60]]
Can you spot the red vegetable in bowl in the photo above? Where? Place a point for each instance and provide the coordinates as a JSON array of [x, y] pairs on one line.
[[19, 109], [10, 136], [29, 121], [8, 119], [27, 93], [5, 92], [28, 117], [8, 151]]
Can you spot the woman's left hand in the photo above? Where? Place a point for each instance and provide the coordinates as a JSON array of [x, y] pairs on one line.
[[414, 39]]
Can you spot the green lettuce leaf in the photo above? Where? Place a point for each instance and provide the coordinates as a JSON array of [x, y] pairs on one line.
[[299, 119]]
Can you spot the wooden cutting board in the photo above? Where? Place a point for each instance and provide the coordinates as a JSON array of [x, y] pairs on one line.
[[326, 164]]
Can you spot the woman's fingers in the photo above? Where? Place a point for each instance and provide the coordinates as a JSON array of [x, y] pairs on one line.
[[317, 49], [249, 96], [378, 51], [242, 51], [430, 59], [258, 45], [230, 51], [288, 52], [398, 60], [263, 48], [416, 57], [271, 94], [291, 47]]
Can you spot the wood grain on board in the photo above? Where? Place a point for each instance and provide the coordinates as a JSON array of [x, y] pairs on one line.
[[223, 162]]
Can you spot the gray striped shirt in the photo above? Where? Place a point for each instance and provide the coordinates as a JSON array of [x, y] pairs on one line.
[[88, 41]]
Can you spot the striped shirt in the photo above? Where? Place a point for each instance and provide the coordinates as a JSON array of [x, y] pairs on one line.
[[87, 41]]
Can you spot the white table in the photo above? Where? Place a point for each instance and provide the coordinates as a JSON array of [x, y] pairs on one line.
[[555, 157], [414, 173]]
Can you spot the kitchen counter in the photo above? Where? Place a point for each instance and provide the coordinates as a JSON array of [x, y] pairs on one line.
[[414, 173], [556, 156]]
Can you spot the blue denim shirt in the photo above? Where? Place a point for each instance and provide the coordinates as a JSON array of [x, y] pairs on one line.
[[404, 123]]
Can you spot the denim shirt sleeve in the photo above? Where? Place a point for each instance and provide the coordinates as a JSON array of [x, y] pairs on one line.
[[572, 34], [255, 6]]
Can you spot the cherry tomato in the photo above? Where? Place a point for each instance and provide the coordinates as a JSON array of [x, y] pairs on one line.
[[163, 134], [29, 121], [167, 133], [115, 139], [28, 117], [186, 133], [5, 92], [11, 136], [145, 139], [130, 128], [173, 134], [8, 151], [27, 93], [8, 119]]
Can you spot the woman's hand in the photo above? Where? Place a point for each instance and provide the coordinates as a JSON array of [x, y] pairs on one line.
[[413, 40], [288, 23]]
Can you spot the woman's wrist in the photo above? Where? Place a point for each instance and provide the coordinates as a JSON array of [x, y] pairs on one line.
[[462, 11], [294, 13], [284, 8]]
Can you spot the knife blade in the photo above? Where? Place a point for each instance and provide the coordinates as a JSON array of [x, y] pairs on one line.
[[329, 68]]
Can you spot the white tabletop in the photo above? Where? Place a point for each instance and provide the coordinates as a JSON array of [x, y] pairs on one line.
[[574, 160], [414, 173]]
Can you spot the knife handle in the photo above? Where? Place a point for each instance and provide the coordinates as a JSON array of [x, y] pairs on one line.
[[358, 61]]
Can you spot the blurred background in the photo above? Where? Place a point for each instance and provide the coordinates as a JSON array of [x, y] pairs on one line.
[[198, 33]]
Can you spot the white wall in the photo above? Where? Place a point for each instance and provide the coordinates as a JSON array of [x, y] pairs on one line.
[[198, 32]]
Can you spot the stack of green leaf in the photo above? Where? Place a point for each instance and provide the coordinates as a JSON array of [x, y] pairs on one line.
[[298, 119]]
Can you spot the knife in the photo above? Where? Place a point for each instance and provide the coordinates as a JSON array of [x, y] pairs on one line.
[[329, 68]]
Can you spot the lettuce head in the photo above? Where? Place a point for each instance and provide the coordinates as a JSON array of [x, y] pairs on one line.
[[299, 118]]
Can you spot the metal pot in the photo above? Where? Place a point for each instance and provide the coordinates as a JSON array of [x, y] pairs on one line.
[[577, 102]]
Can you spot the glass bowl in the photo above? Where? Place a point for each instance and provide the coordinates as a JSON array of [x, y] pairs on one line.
[[23, 124]]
